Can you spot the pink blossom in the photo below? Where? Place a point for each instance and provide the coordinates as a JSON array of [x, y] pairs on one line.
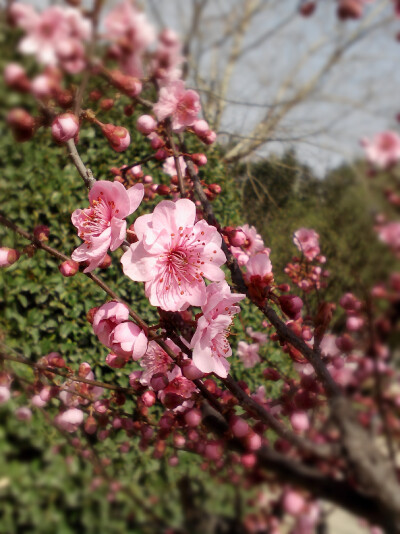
[[128, 340], [300, 421], [306, 240], [168, 58], [70, 419], [390, 235], [383, 150], [170, 168], [220, 300], [8, 256], [50, 34], [64, 127], [156, 361], [132, 34], [107, 317], [258, 267], [146, 124], [210, 345], [173, 255], [253, 243], [248, 354], [293, 503], [103, 225], [258, 337], [23, 15], [180, 104]]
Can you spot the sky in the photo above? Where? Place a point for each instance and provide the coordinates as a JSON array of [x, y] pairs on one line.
[[356, 99]]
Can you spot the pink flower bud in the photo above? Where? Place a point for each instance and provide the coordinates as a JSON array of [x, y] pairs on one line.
[[106, 263], [64, 127], [200, 127], [21, 123], [161, 154], [209, 138], [128, 340], [156, 141], [42, 86], [159, 381], [70, 419], [293, 503], [190, 371], [213, 450], [299, 421], [350, 9], [16, 78], [146, 124], [68, 268], [173, 461], [106, 104], [117, 136], [8, 256], [248, 460], [179, 441], [193, 417], [115, 361], [291, 305], [148, 398], [215, 189], [237, 238], [199, 159], [38, 401], [90, 425], [307, 9], [253, 441], [239, 427], [147, 179], [354, 323]]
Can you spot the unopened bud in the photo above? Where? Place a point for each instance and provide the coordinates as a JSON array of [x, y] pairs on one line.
[[8, 256], [106, 104], [64, 127], [117, 136], [291, 305], [69, 268], [199, 159], [146, 124], [21, 123]]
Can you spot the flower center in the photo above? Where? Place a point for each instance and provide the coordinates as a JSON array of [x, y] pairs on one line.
[[97, 219]]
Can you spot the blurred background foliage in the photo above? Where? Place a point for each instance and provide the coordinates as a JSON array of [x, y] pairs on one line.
[[44, 486]]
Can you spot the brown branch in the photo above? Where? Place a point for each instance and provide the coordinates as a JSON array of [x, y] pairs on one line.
[[85, 173], [68, 375]]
